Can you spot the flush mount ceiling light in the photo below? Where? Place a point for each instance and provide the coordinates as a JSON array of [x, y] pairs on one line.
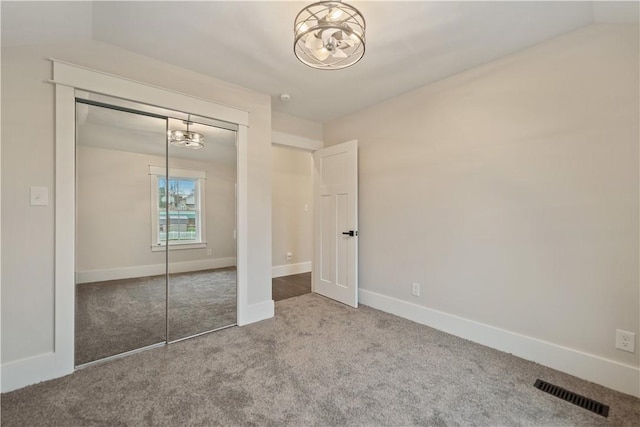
[[329, 35], [186, 138]]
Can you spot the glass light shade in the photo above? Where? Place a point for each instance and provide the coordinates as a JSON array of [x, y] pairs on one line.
[[186, 139], [329, 35]]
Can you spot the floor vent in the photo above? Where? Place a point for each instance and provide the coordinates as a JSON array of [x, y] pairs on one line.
[[571, 397]]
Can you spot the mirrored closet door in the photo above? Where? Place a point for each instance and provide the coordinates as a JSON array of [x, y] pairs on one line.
[[155, 227], [201, 235]]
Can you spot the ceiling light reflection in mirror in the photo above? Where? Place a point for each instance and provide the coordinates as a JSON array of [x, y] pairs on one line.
[[112, 129]]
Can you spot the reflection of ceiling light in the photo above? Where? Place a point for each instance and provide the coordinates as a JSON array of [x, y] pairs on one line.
[[329, 35], [186, 138]]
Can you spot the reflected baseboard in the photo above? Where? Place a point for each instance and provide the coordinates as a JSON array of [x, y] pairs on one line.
[[90, 276]]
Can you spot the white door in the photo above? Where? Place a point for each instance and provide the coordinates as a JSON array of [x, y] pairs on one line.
[[335, 193]]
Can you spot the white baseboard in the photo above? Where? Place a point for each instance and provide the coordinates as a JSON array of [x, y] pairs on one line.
[[609, 373], [90, 276], [32, 370], [289, 269], [257, 312]]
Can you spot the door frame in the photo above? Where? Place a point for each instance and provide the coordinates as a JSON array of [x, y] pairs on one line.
[[309, 145], [68, 78], [295, 142]]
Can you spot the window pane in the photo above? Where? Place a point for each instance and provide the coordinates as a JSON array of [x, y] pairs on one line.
[[162, 205], [183, 210]]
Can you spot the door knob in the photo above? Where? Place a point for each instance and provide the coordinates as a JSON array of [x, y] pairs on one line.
[[350, 233]]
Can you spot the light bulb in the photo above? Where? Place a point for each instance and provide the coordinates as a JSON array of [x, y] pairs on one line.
[[334, 14], [303, 28]]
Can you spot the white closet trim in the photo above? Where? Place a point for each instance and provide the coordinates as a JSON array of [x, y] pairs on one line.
[[67, 79]]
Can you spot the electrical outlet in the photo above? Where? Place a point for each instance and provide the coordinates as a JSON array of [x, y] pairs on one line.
[[625, 341], [209, 252], [289, 256], [415, 289]]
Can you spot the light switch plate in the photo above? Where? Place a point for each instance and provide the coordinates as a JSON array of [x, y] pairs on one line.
[[39, 196]]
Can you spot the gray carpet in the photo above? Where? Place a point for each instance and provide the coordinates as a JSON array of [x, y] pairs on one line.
[[116, 316], [316, 363]]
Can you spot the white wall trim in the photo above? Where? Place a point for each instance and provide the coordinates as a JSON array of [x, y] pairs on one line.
[[64, 214], [90, 276], [295, 141], [91, 80], [32, 370], [609, 373], [242, 221], [289, 269], [178, 246], [257, 312]]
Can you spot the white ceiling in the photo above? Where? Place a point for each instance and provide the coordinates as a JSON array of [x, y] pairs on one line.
[[409, 44]]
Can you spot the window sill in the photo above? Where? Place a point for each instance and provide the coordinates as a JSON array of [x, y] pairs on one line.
[[179, 246]]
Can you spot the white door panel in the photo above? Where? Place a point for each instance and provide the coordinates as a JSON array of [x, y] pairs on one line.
[[335, 272]]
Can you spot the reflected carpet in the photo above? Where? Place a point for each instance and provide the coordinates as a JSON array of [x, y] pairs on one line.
[[116, 316]]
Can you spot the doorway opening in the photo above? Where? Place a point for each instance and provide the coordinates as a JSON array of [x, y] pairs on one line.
[[292, 221]]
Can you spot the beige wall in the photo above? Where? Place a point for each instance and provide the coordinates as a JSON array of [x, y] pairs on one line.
[[510, 192], [106, 240], [28, 159], [291, 190]]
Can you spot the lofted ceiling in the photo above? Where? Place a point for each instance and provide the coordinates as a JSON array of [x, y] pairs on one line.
[[409, 44]]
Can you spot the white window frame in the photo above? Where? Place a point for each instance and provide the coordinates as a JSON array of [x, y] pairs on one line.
[[155, 172]]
